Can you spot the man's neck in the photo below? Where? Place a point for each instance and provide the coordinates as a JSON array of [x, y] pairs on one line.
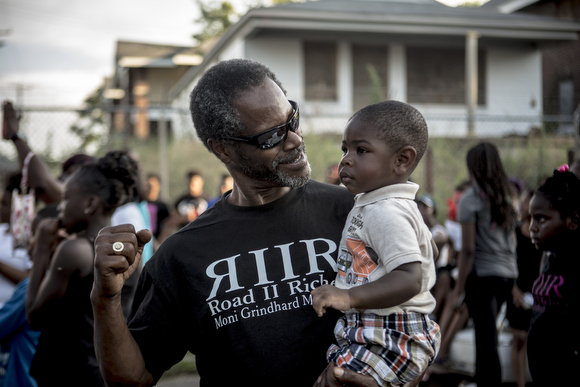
[[252, 196]]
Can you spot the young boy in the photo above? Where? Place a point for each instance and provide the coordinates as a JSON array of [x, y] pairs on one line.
[[385, 263]]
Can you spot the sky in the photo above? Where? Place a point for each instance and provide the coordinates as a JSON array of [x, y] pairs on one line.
[[56, 52]]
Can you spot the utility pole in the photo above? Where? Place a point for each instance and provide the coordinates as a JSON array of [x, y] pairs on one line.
[[163, 154], [5, 32], [20, 94], [471, 40], [19, 88]]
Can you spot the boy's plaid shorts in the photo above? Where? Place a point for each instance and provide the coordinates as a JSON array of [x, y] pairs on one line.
[[396, 348]]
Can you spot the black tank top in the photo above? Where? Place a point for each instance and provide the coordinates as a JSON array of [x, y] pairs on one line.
[[65, 355]]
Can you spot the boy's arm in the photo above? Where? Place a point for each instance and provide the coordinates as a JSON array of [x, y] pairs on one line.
[[394, 288]]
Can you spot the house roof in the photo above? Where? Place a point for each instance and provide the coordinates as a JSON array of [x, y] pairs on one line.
[[414, 18], [507, 6], [136, 54]]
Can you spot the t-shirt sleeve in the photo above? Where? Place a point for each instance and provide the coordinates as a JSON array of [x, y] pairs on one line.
[[467, 208]]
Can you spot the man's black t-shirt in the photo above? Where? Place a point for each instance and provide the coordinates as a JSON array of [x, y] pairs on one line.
[[233, 287]]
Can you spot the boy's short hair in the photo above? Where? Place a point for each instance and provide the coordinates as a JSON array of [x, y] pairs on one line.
[[397, 123]]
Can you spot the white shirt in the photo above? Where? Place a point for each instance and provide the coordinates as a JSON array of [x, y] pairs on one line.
[[18, 259], [385, 230]]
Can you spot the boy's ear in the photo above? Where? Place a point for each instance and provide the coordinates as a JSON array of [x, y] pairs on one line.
[[406, 157], [218, 148]]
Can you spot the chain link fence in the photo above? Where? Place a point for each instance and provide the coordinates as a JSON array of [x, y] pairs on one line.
[[530, 146]]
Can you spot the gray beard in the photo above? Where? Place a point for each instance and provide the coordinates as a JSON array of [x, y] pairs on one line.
[[273, 174]]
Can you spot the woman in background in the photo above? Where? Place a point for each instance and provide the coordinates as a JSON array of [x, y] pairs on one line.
[[58, 299], [487, 259]]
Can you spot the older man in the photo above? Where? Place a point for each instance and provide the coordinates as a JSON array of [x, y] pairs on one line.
[[232, 287]]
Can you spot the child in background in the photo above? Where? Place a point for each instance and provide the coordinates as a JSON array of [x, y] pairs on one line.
[[519, 311], [14, 262], [17, 341], [385, 264], [451, 224], [58, 297], [553, 338]]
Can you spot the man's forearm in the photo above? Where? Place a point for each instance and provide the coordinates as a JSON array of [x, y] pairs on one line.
[[119, 356]]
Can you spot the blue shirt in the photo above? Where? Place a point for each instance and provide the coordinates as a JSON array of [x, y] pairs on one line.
[[22, 345]]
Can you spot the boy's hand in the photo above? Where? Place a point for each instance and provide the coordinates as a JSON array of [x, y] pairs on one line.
[[328, 296], [334, 376]]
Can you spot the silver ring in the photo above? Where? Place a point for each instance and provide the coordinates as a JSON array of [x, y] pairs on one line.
[[118, 247]]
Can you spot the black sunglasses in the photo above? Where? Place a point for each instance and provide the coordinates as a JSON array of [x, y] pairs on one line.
[[274, 136]]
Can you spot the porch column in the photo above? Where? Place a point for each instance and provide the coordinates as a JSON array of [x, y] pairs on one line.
[[397, 72], [471, 41]]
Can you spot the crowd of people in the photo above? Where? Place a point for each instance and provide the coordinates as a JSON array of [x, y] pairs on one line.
[[115, 286]]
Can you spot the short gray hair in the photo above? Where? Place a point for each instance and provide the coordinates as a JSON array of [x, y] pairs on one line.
[[211, 101]]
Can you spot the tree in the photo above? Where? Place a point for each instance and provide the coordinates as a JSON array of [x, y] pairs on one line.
[[217, 16], [89, 125]]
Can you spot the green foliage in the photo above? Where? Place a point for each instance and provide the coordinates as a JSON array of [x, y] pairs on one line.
[[217, 16], [184, 367], [89, 121], [528, 159], [376, 92]]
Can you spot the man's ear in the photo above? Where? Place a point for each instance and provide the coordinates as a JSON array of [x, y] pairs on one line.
[[406, 157], [218, 148]]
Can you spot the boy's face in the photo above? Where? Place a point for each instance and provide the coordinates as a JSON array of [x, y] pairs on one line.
[[368, 162], [153, 188]]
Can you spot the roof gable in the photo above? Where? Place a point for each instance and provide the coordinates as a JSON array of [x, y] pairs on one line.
[[137, 54], [389, 17]]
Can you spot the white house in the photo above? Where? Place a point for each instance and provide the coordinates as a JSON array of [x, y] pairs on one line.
[[463, 68]]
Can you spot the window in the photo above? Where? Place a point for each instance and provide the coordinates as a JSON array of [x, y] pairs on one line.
[[369, 75], [320, 71], [437, 75]]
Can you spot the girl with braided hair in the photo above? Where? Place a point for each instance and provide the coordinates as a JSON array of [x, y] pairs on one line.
[[58, 299], [487, 260], [553, 339]]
